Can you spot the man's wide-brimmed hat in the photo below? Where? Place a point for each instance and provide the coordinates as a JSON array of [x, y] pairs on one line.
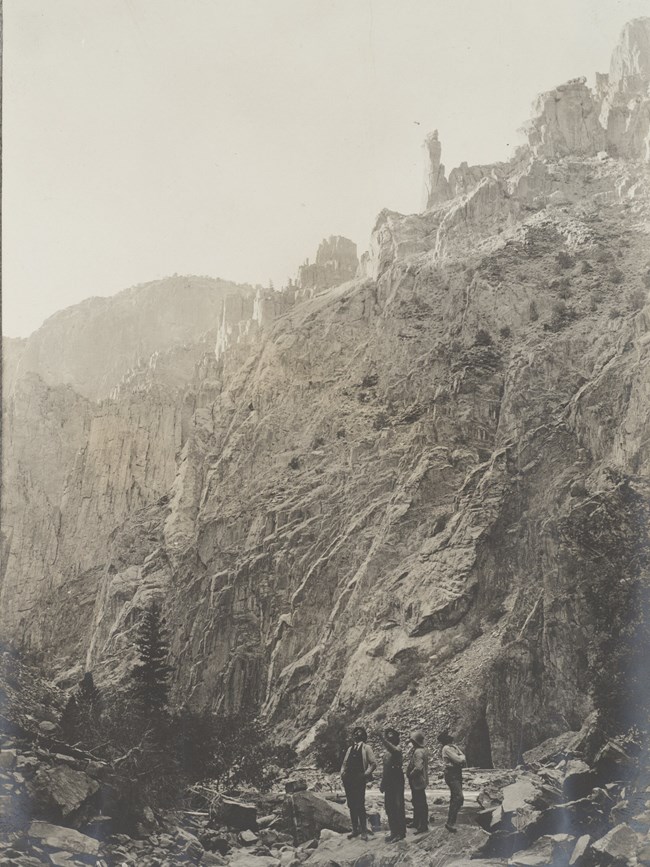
[[445, 738], [361, 732], [417, 738]]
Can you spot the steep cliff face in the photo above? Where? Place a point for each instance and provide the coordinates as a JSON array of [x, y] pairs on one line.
[[377, 498]]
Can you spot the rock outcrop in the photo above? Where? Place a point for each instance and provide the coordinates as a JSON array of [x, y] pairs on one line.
[[376, 496], [336, 262]]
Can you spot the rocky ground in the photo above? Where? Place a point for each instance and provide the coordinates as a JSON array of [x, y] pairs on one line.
[[572, 802]]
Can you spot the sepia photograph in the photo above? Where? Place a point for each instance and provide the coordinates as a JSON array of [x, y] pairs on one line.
[[325, 439]]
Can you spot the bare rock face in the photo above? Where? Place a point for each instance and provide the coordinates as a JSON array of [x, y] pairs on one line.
[[92, 345], [570, 120], [376, 497], [625, 111], [566, 122], [336, 262], [630, 64]]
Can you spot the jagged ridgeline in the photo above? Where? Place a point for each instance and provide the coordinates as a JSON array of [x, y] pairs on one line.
[[396, 487]]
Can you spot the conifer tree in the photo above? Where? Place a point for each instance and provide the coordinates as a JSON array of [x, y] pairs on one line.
[[89, 700], [152, 672], [81, 717]]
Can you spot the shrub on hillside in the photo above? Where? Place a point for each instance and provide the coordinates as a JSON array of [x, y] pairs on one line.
[[330, 743], [483, 338], [564, 260], [616, 276], [561, 315]]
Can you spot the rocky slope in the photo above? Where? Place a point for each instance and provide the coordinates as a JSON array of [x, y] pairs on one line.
[[379, 496]]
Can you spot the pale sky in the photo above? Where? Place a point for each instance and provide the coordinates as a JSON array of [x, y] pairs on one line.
[[143, 138]]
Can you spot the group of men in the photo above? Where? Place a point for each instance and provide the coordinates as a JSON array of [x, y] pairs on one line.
[[359, 765]]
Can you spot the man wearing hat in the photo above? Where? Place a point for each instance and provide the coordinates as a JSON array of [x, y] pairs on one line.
[[453, 760], [358, 766], [418, 776], [392, 785]]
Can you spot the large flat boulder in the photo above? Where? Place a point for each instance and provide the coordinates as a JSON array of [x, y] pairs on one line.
[[555, 850], [551, 750], [62, 839], [61, 790], [235, 814], [308, 813], [519, 795], [429, 850], [617, 848]]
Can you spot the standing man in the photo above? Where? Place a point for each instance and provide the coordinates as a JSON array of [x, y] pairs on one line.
[[392, 785], [358, 767], [418, 776], [453, 760]]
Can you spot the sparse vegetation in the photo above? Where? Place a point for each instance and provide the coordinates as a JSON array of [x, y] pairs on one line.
[[561, 316], [505, 332], [564, 260], [637, 299], [533, 315], [294, 463], [483, 338], [596, 297], [616, 276], [381, 421]]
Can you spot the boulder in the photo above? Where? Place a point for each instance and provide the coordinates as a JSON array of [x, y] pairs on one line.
[[643, 853], [574, 817], [579, 780], [518, 795], [617, 848], [326, 834], [247, 859], [7, 760], [296, 785], [62, 839], [614, 762], [436, 848], [213, 858], [579, 850], [235, 814], [552, 850], [248, 838], [47, 728], [266, 821], [61, 859], [192, 849], [213, 841], [489, 797], [551, 750], [308, 813], [62, 790]]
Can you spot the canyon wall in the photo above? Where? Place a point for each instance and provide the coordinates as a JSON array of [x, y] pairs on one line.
[[374, 494]]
